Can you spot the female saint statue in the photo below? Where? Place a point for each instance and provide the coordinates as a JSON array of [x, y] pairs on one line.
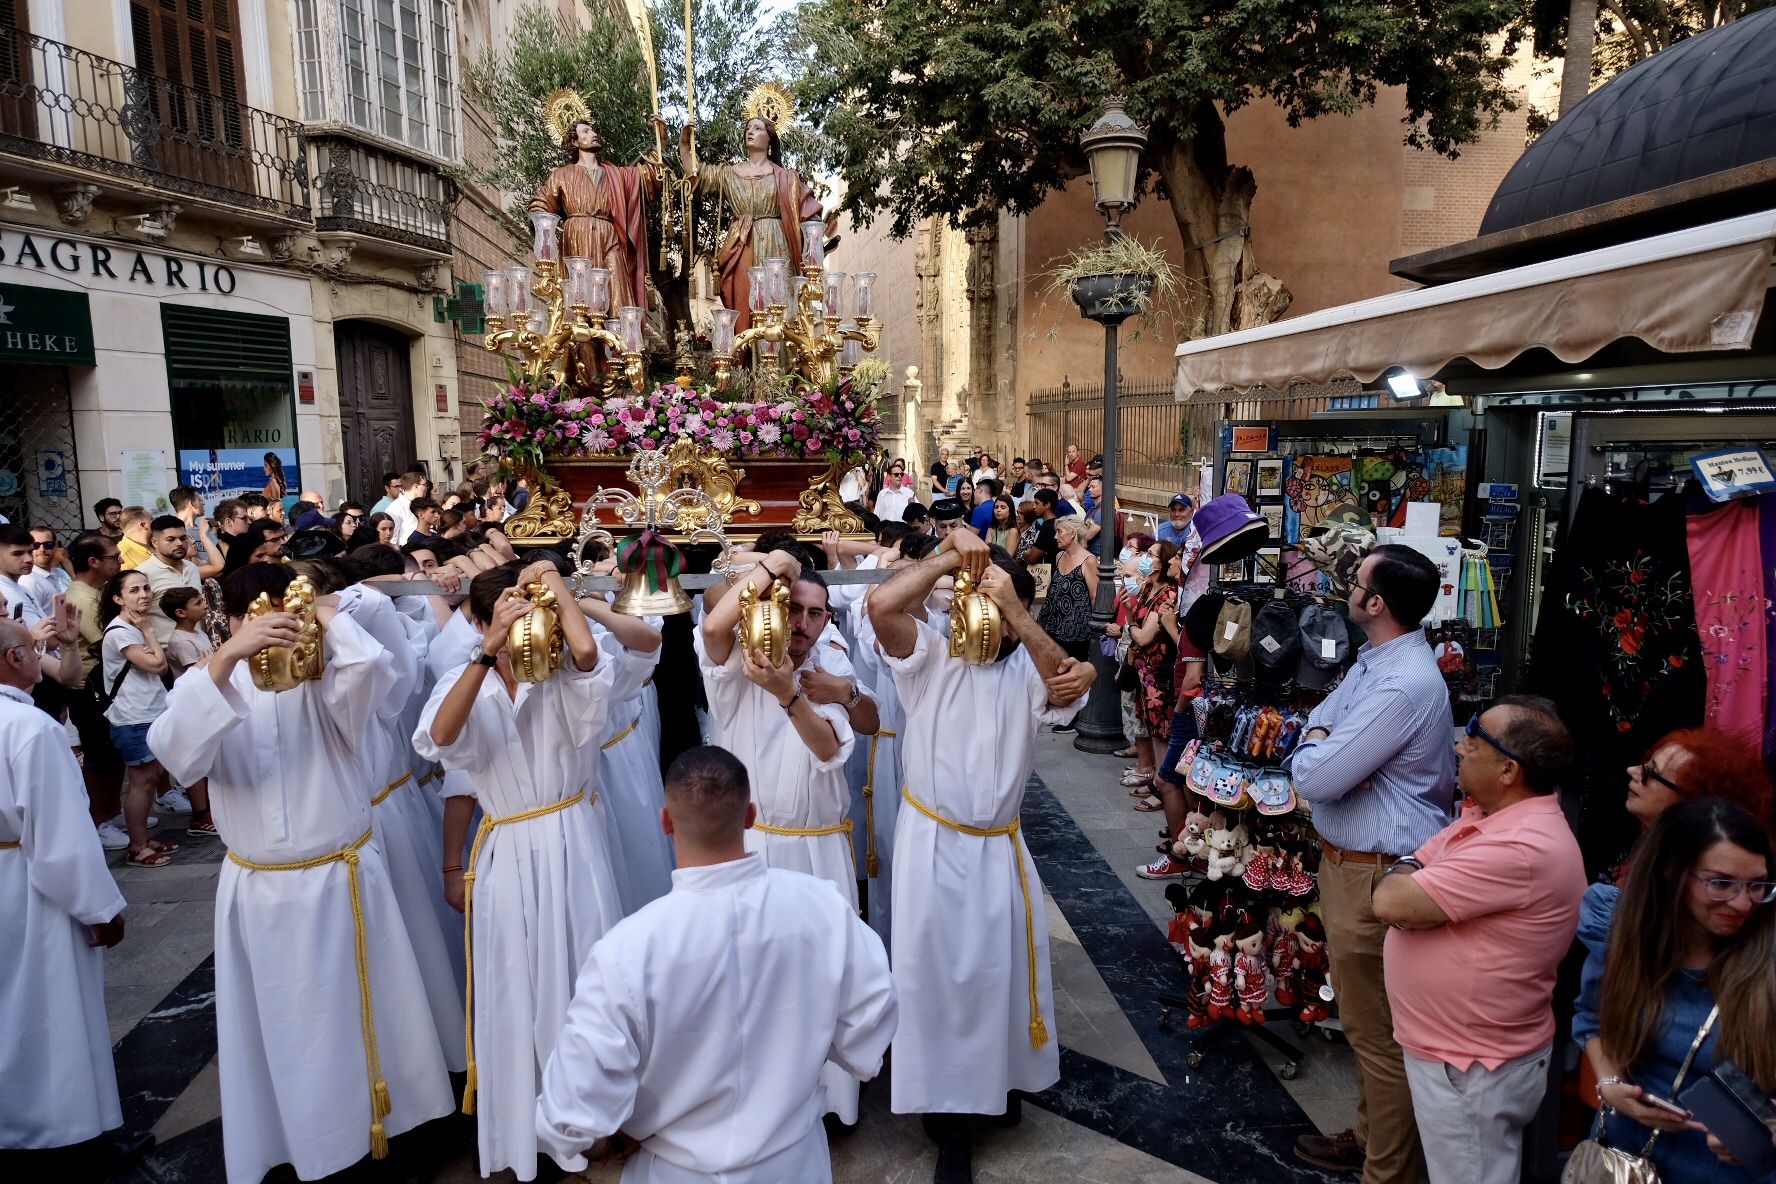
[[766, 202]]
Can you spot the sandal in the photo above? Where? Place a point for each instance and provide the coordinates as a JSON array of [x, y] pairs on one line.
[[1125, 754], [148, 857], [1135, 779], [162, 848], [1149, 805]]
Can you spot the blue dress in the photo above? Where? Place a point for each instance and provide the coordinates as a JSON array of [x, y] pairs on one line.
[[1680, 1156]]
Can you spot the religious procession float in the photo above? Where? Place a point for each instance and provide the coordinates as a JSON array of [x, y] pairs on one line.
[[762, 413]]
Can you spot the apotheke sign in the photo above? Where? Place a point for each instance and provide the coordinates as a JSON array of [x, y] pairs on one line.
[[24, 252], [44, 326]]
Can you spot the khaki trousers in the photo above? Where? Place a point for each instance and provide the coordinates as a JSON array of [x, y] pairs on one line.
[[1386, 1127]]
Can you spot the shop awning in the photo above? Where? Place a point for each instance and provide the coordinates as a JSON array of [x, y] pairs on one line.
[[1684, 292]]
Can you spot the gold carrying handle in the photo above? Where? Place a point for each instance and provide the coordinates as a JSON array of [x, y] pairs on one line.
[[535, 639], [764, 620], [976, 625], [282, 668]]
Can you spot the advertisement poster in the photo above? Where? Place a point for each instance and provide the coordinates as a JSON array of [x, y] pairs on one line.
[[219, 473]]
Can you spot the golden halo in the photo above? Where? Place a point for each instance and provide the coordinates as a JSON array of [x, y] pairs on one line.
[[562, 109], [771, 103]]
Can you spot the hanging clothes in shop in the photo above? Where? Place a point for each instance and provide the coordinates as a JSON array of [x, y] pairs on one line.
[[1766, 505], [1616, 616], [1726, 578]]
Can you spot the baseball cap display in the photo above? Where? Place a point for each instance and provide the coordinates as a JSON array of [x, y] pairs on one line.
[[1231, 530], [1338, 551], [1276, 639], [1200, 618], [1325, 645]]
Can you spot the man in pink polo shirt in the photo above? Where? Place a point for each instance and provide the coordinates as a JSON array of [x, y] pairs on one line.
[[1481, 915]]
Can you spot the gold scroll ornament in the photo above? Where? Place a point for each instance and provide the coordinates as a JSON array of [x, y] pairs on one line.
[[764, 621], [279, 667], [975, 623], [535, 639], [821, 508]]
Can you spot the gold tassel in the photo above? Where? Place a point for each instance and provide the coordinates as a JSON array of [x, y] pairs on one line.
[[1038, 1033], [468, 1105], [379, 1144], [873, 865], [379, 1099]]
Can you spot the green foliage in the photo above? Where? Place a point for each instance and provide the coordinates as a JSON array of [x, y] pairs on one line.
[[1630, 31], [602, 61], [939, 107]]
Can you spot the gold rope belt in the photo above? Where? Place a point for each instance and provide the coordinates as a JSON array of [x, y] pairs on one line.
[[613, 741], [391, 787], [379, 1090], [872, 865], [12, 846], [487, 827], [434, 775], [814, 832], [1038, 1030]]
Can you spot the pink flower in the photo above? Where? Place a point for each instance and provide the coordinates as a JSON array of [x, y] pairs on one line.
[[769, 433], [721, 440], [799, 431]]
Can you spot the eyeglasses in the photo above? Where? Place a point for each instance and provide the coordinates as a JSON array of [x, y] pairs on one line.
[[37, 546], [1475, 731], [1721, 889], [1649, 773]]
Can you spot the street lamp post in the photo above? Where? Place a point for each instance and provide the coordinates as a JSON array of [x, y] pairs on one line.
[[1113, 147]]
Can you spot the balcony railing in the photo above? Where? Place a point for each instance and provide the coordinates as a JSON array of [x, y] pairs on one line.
[[62, 104], [370, 191]]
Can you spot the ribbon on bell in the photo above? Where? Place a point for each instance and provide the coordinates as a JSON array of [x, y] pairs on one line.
[[651, 555]]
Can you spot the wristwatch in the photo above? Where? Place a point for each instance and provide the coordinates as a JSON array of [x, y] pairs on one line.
[[1405, 861], [481, 657], [856, 695]]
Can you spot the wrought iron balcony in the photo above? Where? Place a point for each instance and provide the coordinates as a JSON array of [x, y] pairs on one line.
[[371, 191], [66, 106]]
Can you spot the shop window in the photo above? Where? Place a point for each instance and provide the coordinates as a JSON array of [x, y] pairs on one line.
[[233, 397]]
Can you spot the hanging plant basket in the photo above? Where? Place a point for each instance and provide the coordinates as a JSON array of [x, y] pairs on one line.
[[1113, 297]]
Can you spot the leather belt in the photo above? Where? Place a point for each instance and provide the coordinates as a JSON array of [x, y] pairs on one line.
[[1339, 855]]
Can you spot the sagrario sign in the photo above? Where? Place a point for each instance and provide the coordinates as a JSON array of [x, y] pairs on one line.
[[25, 251]]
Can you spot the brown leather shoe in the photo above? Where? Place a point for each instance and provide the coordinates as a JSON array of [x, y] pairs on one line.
[[1334, 1153]]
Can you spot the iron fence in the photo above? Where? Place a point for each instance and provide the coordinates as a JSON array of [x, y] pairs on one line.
[[72, 107], [369, 190], [1159, 436]]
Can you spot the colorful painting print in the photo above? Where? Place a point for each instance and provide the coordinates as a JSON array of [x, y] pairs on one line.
[[1315, 484], [1270, 477], [1239, 478], [1384, 484], [1446, 474], [1273, 519]]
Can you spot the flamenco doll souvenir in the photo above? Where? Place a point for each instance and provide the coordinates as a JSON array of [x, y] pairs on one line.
[[1218, 997], [1251, 973], [1200, 949], [1311, 984]]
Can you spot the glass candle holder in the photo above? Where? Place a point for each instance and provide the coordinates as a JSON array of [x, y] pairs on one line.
[[832, 293], [598, 291], [578, 286], [777, 280], [545, 236], [757, 296], [863, 294], [493, 292], [721, 332], [629, 317], [768, 351], [796, 284], [851, 352], [814, 244], [518, 290], [539, 321]]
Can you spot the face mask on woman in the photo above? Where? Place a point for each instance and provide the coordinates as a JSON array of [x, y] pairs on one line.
[[1126, 554], [1129, 584], [1145, 565]]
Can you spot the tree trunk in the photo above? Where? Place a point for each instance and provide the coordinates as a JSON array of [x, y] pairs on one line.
[[1581, 39], [1211, 201]]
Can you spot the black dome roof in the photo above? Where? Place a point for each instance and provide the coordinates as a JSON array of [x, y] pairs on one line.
[[1705, 105]]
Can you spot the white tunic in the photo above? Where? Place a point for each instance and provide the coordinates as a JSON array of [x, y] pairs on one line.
[[961, 956], [59, 1087], [876, 763], [701, 1024], [544, 891], [286, 785], [628, 768]]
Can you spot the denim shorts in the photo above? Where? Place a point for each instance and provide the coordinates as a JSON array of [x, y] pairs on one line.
[[131, 742]]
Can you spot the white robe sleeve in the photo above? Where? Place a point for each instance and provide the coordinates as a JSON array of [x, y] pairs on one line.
[[377, 615], [590, 1083], [836, 715], [358, 676], [187, 738], [869, 1008], [44, 801], [1046, 712], [630, 669], [469, 752], [581, 699], [913, 674]]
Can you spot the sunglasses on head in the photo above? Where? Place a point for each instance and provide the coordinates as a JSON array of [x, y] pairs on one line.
[[1475, 731]]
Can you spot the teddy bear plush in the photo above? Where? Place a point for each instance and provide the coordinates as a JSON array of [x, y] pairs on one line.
[[1192, 846], [1224, 853]]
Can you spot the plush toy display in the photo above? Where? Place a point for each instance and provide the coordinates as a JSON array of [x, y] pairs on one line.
[[1219, 993], [1310, 937], [1251, 974]]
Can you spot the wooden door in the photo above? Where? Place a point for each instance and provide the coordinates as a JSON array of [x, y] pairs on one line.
[[375, 405], [191, 49], [18, 113]]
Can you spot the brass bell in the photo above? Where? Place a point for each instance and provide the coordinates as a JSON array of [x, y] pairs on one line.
[[535, 639], [764, 620], [975, 624], [283, 668], [636, 599]]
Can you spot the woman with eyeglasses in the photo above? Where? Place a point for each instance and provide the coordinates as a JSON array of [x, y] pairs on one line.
[[1690, 763], [1696, 957]]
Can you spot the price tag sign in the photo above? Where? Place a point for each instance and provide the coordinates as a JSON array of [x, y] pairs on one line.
[[1734, 472]]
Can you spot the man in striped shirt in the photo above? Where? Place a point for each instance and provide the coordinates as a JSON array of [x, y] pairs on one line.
[[1377, 763]]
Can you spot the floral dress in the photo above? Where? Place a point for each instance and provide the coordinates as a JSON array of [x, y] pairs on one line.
[[1154, 661]]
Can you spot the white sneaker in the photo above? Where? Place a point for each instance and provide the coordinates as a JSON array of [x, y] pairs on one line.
[[121, 824], [111, 838], [173, 801]]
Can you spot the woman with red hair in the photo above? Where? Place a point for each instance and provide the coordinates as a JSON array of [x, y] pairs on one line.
[[1698, 763]]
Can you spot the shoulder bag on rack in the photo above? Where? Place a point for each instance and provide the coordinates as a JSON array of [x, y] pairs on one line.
[[1594, 1163]]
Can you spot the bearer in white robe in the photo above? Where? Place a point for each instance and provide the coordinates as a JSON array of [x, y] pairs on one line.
[[299, 1082], [57, 1083], [971, 938], [624, 763], [543, 891], [700, 1025]]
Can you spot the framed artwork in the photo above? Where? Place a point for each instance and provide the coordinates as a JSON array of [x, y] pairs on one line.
[[1270, 480], [1239, 478], [1264, 565], [1273, 519]]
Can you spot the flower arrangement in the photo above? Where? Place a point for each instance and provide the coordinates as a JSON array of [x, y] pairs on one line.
[[525, 424]]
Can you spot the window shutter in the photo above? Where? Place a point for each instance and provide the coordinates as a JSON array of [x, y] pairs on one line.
[[220, 351]]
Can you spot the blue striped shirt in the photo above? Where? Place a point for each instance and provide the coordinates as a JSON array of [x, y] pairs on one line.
[[1384, 780]]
